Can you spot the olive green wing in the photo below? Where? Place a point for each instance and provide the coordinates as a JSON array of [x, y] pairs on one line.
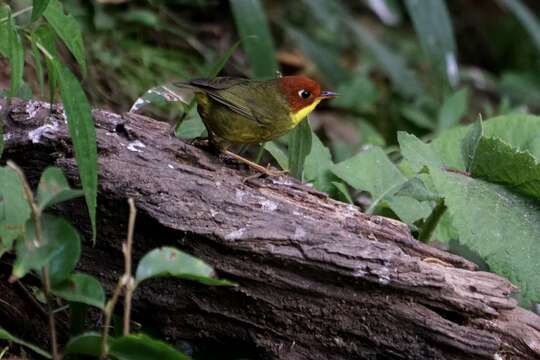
[[242, 96]]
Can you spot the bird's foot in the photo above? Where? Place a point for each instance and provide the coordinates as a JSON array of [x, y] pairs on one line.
[[259, 168]]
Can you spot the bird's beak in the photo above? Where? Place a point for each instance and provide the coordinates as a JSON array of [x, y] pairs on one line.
[[328, 95]]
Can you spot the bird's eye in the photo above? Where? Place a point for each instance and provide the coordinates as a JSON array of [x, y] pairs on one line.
[[304, 94]]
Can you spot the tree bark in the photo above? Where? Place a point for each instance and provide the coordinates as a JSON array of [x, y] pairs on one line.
[[317, 279]]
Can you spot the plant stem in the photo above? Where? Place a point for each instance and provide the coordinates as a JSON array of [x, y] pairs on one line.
[[431, 222], [16, 13], [260, 153], [130, 286], [109, 308], [126, 280], [36, 217]]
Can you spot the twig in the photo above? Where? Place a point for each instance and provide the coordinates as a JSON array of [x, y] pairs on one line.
[[125, 280], [109, 308], [130, 286], [36, 217]]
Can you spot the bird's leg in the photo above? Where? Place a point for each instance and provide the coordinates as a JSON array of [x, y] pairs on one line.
[[253, 165]]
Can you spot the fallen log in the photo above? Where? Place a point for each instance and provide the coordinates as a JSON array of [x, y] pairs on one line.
[[318, 279]]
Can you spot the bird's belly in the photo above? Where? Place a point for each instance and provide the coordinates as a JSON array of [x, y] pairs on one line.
[[238, 129]]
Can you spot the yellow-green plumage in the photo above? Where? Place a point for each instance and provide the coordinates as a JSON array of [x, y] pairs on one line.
[[243, 111]]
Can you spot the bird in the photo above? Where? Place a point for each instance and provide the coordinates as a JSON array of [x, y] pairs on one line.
[[247, 111]]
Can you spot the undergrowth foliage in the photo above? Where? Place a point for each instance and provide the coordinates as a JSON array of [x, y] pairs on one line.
[[475, 188]]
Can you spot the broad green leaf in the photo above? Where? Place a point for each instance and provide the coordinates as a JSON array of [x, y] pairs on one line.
[[64, 261], [252, 25], [54, 188], [83, 135], [278, 154], [497, 162], [434, 29], [192, 126], [317, 166], [299, 148], [326, 60], [501, 226], [369, 135], [88, 343], [416, 152], [81, 288], [57, 237], [416, 189], [143, 347], [38, 7], [8, 337], [372, 171], [519, 130], [470, 143], [526, 17], [168, 261], [67, 28], [14, 209], [453, 109]]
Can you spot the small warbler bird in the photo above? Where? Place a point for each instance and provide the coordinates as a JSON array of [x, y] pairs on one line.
[[244, 111]]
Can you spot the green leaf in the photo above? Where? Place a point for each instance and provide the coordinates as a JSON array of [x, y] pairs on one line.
[[142, 347], [453, 109], [39, 66], [496, 161], [83, 135], [434, 29], [299, 148], [67, 28], [278, 154], [60, 246], [38, 7], [54, 188], [343, 192], [417, 117], [252, 25], [526, 17], [168, 261], [416, 189], [372, 171], [192, 126], [358, 94], [519, 130], [393, 65], [64, 261], [16, 60], [88, 343], [416, 152], [223, 59], [498, 224], [81, 288], [470, 143], [7, 336], [14, 209], [46, 38], [317, 166]]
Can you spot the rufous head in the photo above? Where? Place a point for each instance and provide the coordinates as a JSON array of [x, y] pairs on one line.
[[301, 92]]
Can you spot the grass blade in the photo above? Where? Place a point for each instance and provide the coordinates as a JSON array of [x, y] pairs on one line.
[[252, 26], [83, 135], [434, 29], [526, 17]]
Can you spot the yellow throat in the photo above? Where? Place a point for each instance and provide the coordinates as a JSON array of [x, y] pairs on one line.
[[302, 113]]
